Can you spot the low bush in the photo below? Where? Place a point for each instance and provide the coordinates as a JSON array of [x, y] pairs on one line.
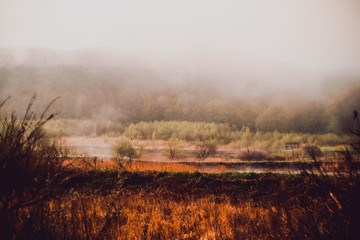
[[124, 152], [174, 148], [205, 149]]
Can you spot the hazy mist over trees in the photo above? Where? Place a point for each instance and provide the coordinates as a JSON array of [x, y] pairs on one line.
[[97, 84]]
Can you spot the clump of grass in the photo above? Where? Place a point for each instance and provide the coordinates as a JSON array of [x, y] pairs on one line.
[[30, 170]]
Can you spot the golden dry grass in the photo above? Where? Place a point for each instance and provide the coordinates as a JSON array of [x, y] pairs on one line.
[[151, 205], [152, 216]]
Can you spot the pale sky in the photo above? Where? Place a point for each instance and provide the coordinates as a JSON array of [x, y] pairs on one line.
[[311, 33]]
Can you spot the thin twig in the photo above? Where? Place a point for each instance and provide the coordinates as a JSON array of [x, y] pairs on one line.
[[47, 108], [4, 101]]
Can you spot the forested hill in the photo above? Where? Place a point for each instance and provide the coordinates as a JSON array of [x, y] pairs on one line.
[[94, 85]]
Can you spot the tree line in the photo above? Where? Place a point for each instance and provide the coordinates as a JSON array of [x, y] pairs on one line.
[[127, 97]]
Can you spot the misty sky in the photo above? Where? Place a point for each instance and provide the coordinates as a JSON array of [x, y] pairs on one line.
[[309, 33]]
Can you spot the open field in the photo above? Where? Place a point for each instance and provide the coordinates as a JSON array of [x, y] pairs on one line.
[[110, 204]]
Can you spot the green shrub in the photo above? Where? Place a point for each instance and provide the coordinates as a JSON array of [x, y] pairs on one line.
[[124, 152]]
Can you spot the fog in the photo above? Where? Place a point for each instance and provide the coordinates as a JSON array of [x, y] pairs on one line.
[[240, 77], [240, 62], [312, 33]]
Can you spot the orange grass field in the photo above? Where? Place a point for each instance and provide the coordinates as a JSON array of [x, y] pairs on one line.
[[151, 216], [110, 204], [147, 166]]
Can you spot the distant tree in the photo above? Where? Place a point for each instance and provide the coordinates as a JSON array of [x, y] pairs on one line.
[[174, 146], [124, 152], [205, 149], [313, 152]]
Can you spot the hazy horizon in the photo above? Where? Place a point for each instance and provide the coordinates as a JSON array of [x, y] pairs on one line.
[[244, 78]]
